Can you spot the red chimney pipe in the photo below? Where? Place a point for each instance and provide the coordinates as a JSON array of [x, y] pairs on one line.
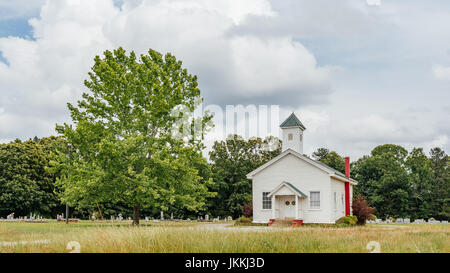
[[347, 186]]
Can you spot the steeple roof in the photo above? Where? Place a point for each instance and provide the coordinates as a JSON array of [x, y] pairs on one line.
[[292, 121]]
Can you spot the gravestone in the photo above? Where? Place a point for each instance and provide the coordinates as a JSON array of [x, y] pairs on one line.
[[171, 216], [399, 221], [162, 215], [230, 218], [206, 217], [120, 217], [146, 219], [378, 221], [445, 222], [406, 221]]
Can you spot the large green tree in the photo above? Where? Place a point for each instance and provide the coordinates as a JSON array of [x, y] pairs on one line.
[[134, 141], [26, 184], [384, 180], [440, 163], [420, 172], [232, 160]]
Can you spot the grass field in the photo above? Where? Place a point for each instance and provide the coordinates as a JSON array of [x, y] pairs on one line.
[[219, 237]]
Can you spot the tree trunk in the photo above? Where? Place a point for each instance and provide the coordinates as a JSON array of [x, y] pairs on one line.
[[136, 215]]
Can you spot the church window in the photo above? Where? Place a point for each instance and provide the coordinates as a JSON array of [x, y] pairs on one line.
[[314, 199], [267, 201]]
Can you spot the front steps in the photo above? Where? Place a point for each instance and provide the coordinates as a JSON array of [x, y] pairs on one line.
[[284, 222]]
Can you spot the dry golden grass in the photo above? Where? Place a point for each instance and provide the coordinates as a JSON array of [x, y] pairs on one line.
[[194, 237]]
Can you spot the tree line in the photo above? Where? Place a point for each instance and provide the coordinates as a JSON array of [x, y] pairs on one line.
[[131, 149], [398, 183], [395, 182]]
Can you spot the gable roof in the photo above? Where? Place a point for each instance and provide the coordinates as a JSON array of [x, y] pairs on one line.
[[292, 121], [289, 185], [332, 172]]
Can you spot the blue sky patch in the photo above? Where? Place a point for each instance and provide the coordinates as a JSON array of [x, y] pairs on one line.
[[18, 27]]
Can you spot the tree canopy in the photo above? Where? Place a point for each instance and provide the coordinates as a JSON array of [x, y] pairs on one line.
[[401, 184], [332, 159], [26, 184], [134, 140], [232, 160]]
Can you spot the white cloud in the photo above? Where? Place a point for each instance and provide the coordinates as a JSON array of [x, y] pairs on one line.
[[355, 135], [373, 2], [244, 52], [19, 8], [45, 73], [441, 72], [265, 66]]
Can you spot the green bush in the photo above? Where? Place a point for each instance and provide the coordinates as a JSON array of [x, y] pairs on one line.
[[347, 220], [243, 221], [372, 217]]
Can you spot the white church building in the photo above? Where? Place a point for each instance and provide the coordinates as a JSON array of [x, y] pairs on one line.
[[294, 187]]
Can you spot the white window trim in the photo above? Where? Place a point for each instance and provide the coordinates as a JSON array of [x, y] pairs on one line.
[[262, 202], [320, 200]]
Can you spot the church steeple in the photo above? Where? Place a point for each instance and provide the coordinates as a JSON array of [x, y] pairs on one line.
[[292, 129]]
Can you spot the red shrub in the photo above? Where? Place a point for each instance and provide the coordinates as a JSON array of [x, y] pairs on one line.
[[247, 210], [361, 210]]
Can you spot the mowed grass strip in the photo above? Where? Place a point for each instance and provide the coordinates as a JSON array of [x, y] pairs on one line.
[[167, 237]]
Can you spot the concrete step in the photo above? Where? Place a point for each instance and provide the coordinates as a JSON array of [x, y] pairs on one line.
[[282, 223], [288, 222]]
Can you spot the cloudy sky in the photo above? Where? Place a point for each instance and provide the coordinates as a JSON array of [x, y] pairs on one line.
[[358, 73]]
